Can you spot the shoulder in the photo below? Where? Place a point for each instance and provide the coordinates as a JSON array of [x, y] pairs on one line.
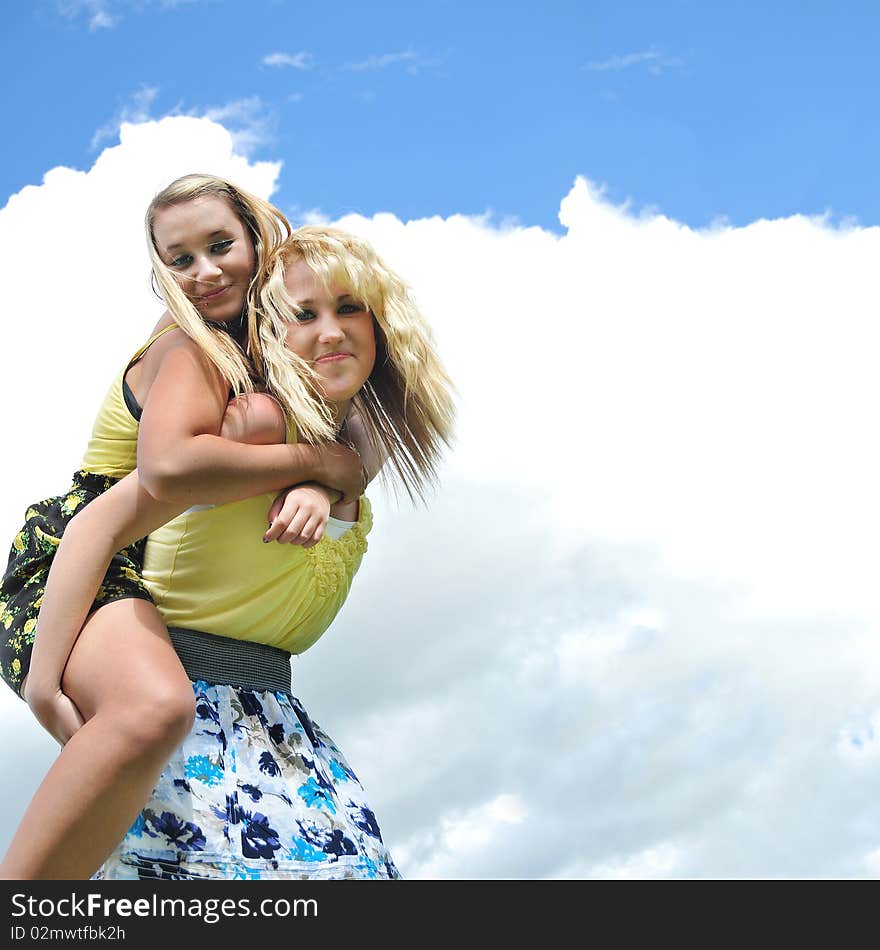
[[181, 355], [173, 345], [176, 361]]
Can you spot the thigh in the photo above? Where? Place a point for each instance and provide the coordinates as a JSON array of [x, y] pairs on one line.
[[122, 653]]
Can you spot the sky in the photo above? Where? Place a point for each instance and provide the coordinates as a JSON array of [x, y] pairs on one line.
[[697, 110], [634, 632]]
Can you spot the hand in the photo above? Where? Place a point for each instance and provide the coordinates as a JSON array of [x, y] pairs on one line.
[[299, 515], [54, 711], [342, 469]]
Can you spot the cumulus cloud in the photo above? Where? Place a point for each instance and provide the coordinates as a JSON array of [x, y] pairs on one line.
[[251, 123], [249, 120], [136, 110], [634, 634], [440, 852]]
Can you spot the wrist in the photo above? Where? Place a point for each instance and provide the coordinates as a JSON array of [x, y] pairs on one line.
[[350, 499], [309, 464], [331, 494]]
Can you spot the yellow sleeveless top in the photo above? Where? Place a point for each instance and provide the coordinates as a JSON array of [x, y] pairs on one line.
[[209, 570], [112, 449]]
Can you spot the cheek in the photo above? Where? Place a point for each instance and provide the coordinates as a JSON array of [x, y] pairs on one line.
[[296, 341], [370, 333], [185, 283], [368, 349], [249, 263]]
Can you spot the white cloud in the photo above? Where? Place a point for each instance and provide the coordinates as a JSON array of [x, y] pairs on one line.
[[252, 124], [413, 62], [654, 61], [105, 14], [440, 852], [300, 60], [101, 20], [96, 11], [661, 861], [135, 111], [872, 863], [635, 632], [249, 120]]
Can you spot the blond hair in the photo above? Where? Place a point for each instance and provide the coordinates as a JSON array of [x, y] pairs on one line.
[[267, 227], [406, 404]]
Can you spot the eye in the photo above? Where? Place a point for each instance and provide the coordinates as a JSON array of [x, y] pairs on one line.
[[350, 308], [303, 316], [221, 246], [184, 260]]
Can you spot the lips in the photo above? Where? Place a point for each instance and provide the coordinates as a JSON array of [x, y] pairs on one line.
[[214, 294], [332, 357]]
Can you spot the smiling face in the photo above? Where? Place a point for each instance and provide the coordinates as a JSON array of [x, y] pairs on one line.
[[332, 330], [207, 246]]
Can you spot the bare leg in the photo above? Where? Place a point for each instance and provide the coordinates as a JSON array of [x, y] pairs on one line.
[[127, 681]]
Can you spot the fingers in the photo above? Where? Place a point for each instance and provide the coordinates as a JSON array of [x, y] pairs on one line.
[[301, 526], [287, 525], [283, 510], [301, 529], [277, 505], [316, 536], [275, 528]]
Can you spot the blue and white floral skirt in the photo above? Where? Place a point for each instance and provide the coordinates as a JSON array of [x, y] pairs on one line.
[[256, 791]]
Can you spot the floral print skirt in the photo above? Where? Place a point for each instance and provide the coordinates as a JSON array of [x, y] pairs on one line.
[[257, 791], [33, 548]]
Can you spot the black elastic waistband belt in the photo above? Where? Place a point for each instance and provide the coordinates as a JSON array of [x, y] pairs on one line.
[[221, 660]]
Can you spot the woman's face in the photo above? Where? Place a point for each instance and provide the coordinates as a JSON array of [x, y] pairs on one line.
[[205, 243], [332, 331]]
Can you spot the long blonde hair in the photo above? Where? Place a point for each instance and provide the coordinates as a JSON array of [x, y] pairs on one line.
[[407, 402], [268, 229]]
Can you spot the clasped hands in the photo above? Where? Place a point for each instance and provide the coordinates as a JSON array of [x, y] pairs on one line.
[[299, 514]]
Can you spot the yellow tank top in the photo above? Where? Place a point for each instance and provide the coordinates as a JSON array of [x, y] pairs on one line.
[[112, 449], [209, 570]]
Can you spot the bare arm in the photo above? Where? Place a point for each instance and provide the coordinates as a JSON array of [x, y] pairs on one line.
[[111, 522], [299, 516], [182, 458], [182, 421]]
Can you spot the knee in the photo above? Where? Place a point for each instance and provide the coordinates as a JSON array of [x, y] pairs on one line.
[[178, 713], [160, 719]]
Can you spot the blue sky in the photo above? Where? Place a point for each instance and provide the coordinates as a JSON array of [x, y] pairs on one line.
[[697, 110]]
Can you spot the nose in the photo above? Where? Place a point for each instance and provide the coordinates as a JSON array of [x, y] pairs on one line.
[[331, 331], [205, 271]]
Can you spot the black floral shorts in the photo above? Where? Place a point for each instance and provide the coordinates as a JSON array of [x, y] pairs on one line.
[[21, 592]]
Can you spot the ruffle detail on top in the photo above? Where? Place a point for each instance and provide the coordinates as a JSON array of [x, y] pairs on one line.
[[335, 561]]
